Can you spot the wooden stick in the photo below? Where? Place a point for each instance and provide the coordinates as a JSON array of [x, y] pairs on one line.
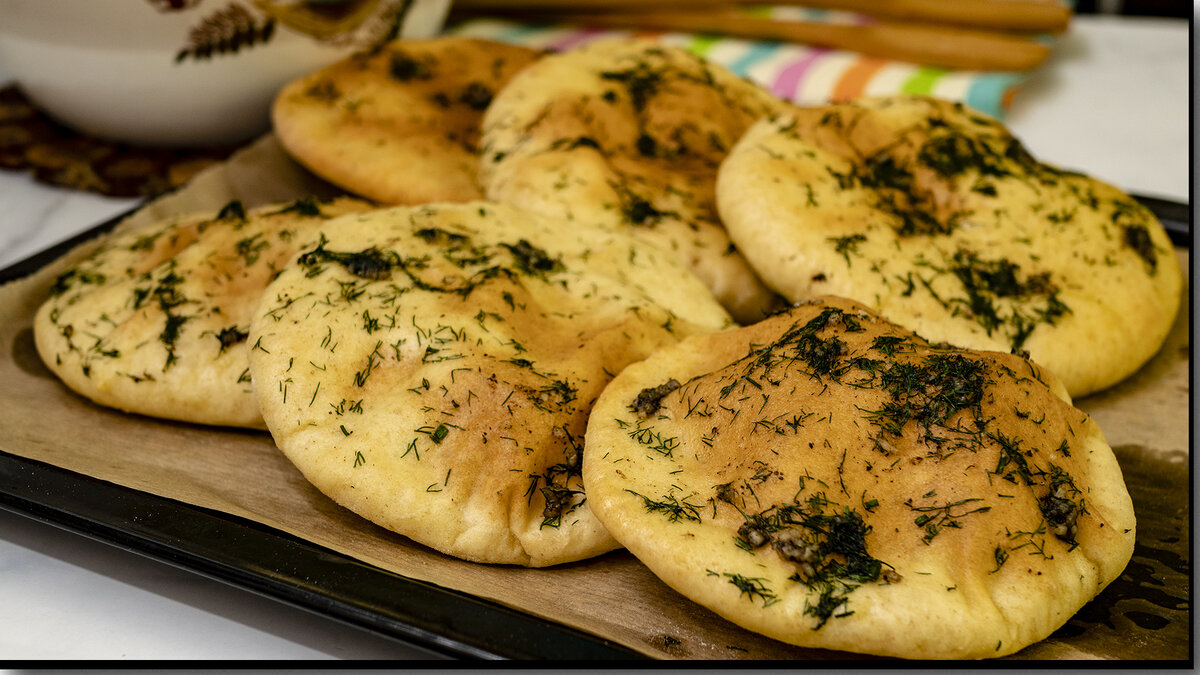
[[1030, 16], [929, 45], [585, 5]]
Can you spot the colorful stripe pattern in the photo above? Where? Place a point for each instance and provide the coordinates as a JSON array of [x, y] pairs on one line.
[[803, 74]]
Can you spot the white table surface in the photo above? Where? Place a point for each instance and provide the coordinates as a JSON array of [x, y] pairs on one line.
[[1113, 101]]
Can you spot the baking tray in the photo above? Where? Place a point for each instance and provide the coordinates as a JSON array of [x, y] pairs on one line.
[[1144, 615]]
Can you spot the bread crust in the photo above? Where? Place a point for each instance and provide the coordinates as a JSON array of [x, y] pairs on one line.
[[935, 216], [831, 480]]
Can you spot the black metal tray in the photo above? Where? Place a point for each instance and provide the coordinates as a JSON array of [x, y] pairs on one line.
[[267, 561]]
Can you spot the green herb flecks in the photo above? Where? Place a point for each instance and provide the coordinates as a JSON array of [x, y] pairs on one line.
[[992, 285], [250, 248], [75, 277], [826, 543], [844, 246], [671, 507], [753, 587], [934, 518]]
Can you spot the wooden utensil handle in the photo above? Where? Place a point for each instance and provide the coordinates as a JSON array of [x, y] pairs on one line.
[[929, 45], [1029, 16]]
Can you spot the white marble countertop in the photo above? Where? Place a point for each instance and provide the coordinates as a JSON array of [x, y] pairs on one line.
[[1114, 102]]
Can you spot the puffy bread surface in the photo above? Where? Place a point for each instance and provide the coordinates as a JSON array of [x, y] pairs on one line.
[[154, 321], [431, 369], [938, 218], [629, 133], [829, 479], [399, 125]]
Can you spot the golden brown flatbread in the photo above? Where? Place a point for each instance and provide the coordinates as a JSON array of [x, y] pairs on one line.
[[629, 133], [831, 480], [399, 125], [431, 369], [154, 321], [938, 218]]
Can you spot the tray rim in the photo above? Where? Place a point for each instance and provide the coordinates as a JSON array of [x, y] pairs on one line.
[[280, 566], [95, 508]]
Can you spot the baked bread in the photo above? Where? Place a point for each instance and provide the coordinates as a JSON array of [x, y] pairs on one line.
[[431, 369], [154, 321], [937, 217], [399, 125], [831, 480], [629, 133]]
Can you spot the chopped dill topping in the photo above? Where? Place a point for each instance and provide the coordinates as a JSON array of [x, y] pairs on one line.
[[674, 509]]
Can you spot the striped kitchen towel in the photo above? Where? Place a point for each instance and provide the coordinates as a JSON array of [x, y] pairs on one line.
[[800, 73]]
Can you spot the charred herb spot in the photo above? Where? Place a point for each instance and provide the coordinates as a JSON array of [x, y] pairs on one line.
[[641, 81], [323, 90], [532, 260], [405, 68], [372, 263], [646, 145], [827, 545], [230, 336], [560, 500], [649, 400], [1137, 239], [1059, 506], [638, 210], [476, 95], [233, 210], [307, 207]]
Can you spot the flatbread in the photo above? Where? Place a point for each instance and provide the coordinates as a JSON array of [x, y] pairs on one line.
[[938, 218], [154, 321], [399, 125], [629, 133], [431, 369], [831, 480]]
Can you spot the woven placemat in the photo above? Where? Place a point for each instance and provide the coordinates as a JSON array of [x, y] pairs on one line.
[[30, 140]]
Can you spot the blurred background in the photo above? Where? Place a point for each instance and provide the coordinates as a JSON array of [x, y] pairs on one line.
[[1175, 8]]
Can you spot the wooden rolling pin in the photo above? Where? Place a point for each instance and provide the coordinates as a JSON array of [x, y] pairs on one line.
[[942, 46]]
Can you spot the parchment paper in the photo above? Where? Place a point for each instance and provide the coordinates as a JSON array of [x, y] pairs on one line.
[[1144, 615]]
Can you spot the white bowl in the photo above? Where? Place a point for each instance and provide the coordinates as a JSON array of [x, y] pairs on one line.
[[186, 72]]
